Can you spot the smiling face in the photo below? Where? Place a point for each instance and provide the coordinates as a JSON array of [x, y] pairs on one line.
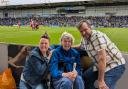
[[66, 43], [43, 45], [85, 30]]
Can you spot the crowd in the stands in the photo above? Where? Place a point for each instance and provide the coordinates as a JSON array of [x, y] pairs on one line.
[[104, 21]]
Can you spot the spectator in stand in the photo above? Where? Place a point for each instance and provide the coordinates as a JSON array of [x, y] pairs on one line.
[[109, 64], [36, 70], [66, 75]]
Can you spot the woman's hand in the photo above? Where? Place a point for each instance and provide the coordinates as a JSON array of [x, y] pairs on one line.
[[70, 75]]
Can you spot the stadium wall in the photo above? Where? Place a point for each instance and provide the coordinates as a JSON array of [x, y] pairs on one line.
[[107, 10], [3, 56], [27, 13], [89, 11], [1, 13]]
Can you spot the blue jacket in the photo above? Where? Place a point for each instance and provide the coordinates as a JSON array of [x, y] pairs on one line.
[[62, 61], [36, 68]]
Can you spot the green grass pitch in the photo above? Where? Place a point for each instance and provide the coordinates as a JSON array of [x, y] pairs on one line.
[[25, 35]]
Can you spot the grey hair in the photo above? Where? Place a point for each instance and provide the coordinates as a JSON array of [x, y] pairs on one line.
[[67, 35]]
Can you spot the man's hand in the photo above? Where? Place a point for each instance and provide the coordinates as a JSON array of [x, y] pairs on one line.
[[102, 85]]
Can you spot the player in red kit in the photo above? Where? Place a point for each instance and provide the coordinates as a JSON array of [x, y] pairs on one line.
[[19, 23]]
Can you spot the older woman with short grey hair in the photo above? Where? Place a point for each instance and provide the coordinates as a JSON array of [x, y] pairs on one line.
[[65, 65]]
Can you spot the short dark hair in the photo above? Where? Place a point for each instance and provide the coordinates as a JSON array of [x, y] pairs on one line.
[[83, 21], [45, 35]]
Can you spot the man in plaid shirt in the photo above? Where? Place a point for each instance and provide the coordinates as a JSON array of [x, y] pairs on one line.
[[109, 64]]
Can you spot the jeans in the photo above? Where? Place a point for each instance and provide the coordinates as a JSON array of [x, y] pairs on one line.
[[111, 77], [24, 85], [66, 83]]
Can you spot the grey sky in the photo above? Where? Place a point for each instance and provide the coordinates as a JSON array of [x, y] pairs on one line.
[[18, 2], [21, 2]]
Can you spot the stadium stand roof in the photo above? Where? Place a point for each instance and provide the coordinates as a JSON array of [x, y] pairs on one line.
[[66, 4]]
